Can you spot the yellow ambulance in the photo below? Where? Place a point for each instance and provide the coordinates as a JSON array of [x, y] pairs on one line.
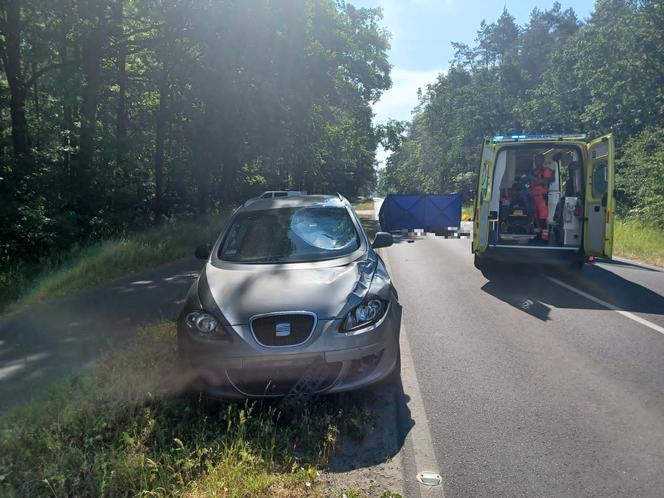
[[546, 199]]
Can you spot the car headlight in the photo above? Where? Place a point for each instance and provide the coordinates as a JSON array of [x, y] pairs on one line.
[[204, 323], [368, 312]]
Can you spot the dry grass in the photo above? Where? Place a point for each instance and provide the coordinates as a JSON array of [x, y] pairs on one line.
[[364, 206]]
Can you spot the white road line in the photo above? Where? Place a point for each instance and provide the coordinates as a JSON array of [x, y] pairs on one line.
[[420, 434], [610, 306]]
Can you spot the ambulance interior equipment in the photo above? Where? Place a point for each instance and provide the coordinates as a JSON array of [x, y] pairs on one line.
[[512, 201]]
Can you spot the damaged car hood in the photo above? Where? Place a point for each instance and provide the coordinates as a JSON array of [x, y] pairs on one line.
[[329, 292]]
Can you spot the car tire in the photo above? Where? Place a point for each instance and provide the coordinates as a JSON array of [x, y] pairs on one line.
[[487, 267]]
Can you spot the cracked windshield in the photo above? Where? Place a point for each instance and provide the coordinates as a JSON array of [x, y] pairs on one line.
[[331, 248]]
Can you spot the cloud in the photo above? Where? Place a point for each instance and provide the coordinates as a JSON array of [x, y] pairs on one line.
[[401, 99]]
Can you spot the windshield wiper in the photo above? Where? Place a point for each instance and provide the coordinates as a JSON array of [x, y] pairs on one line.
[[267, 259]]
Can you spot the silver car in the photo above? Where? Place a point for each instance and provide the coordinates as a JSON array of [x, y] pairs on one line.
[[293, 299]]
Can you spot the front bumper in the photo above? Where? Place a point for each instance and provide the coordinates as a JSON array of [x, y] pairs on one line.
[[327, 362]]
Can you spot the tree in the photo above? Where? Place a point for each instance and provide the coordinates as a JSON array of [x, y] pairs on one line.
[[552, 75], [125, 112], [10, 54], [640, 173]]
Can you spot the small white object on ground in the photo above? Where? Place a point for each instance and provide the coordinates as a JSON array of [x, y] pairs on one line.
[[429, 478]]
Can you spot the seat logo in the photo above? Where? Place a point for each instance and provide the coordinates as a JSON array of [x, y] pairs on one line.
[[282, 329]]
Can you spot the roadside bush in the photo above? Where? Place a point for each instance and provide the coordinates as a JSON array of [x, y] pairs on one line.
[[641, 176]]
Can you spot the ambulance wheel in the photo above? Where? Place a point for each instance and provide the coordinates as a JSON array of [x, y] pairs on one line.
[[484, 265], [578, 264]]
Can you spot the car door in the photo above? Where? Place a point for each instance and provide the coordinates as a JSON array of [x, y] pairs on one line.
[[482, 198], [599, 203]]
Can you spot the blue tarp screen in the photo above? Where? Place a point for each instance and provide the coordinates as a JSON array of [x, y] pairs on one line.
[[430, 212]]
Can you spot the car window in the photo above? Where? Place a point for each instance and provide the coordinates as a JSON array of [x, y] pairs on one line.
[[290, 235], [281, 194], [266, 195]]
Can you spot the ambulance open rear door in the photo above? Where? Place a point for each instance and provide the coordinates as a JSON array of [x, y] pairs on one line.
[[600, 203], [483, 198]]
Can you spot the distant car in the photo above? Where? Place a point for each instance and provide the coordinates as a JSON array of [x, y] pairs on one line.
[[293, 298]]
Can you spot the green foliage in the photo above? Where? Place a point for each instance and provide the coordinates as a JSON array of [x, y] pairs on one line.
[[554, 74], [98, 263], [641, 174], [637, 239], [121, 430], [136, 111]]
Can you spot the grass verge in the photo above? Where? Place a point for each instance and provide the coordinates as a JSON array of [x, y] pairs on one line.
[[120, 430], [370, 225], [364, 206], [108, 260], [635, 240]]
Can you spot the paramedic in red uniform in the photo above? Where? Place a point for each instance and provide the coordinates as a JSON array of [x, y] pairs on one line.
[[540, 178]]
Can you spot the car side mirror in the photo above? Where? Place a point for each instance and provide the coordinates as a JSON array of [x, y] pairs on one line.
[[382, 239], [203, 252]]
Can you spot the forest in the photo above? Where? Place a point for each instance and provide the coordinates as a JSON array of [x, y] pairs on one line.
[[116, 114], [556, 74]]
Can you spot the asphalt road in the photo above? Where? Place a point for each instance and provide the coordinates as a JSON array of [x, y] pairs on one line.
[[518, 386], [529, 388]]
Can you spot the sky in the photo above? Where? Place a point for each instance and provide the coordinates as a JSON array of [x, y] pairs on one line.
[[422, 34]]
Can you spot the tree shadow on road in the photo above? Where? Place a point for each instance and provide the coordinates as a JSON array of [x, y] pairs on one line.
[[54, 339]]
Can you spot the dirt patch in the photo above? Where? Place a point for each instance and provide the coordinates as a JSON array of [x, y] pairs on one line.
[[370, 466]]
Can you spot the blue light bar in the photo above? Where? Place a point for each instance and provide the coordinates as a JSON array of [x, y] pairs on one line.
[[542, 136]]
